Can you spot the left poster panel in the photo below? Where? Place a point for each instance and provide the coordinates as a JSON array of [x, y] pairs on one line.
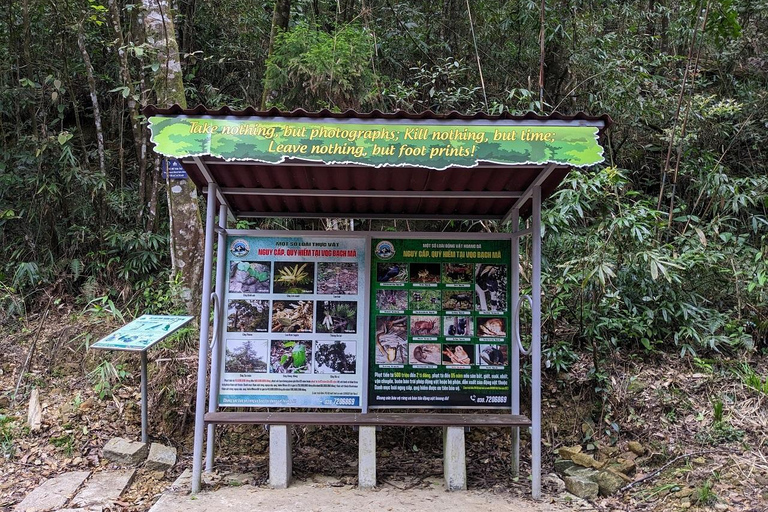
[[294, 319]]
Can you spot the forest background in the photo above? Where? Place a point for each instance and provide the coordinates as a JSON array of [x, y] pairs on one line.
[[661, 250]]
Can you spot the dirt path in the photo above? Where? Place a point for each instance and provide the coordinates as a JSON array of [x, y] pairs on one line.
[[321, 497]]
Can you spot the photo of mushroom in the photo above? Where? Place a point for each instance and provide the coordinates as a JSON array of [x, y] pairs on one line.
[[391, 339], [457, 300], [338, 317], [490, 287], [425, 325], [292, 316], [457, 326], [424, 353], [493, 355], [294, 277], [249, 276], [246, 356], [335, 357], [391, 272], [290, 356], [425, 300], [458, 354], [458, 273], [391, 300], [425, 272], [491, 326], [248, 315], [337, 278]]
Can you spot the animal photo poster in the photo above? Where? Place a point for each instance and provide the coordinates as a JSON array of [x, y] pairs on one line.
[[292, 332], [439, 333]]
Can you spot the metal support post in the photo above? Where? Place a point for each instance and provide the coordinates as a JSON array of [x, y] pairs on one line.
[[514, 350], [213, 393], [202, 363], [536, 347], [144, 435]]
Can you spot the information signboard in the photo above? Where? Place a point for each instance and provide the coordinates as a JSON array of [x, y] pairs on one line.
[[439, 328], [142, 333], [294, 316]]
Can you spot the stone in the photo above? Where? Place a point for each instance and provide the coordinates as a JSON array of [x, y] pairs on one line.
[[608, 483], [684, 492], [721, 506], [183, 483], [54, 493], [588, 461], [554, 482], [620, 475], [236, 479], [685, 504], [567, 452], [579, 471], [636, 448], [161, 457], [124, 451], [628, 456], [104, 488], [627, 467], [561, 465], [35, 412], [581, 487]]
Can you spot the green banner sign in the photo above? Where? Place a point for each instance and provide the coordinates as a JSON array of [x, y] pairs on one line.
[[440, 333], [432, 145]]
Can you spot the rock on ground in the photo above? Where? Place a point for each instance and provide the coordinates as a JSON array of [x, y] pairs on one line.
[[161, 457], [104, 488], [35, 412], [581, 487], [54, 493], [124, 451]]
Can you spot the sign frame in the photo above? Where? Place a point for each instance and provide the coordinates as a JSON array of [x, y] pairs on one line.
[[252, 239]]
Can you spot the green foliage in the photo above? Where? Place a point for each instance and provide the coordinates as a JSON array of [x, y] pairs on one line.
[[106, 378], [7, 448], [313, 69]]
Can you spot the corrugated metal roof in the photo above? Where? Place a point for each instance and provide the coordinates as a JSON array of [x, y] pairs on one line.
[[308, 189]]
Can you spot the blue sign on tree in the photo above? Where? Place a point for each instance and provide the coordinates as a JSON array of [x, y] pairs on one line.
[[172, 169]]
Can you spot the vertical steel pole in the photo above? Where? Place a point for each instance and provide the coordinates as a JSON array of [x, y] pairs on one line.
[[514, 350], [536, 347], [366, 330], [144, 435], [213, 393], [205, 316]]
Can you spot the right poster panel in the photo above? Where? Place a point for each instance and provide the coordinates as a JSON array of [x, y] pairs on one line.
[[440, 333]]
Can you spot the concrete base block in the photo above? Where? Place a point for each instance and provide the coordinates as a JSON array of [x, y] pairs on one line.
[[280, 457], [366, 465], [454, 460]]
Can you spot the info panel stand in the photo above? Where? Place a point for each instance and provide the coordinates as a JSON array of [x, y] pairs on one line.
[[139, 336]]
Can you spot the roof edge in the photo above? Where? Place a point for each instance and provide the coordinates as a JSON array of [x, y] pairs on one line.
[[200, 110]]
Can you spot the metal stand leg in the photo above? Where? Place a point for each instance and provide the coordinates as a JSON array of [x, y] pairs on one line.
[[536, 347], [514, 351], [144, 435], [213, 393], [202, 363]]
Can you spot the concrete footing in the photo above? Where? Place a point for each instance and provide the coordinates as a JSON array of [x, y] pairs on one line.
[[280, 456], [366, 464], [454, 460]]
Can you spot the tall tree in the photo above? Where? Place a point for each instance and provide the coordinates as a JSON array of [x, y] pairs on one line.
[[185, 222]]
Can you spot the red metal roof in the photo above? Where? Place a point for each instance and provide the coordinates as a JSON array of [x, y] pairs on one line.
[[299, 188]]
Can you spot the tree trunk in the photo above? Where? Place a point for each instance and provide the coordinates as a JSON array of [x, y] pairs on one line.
[[133, 109], [280, 18], [94, 98], [185, 222]]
